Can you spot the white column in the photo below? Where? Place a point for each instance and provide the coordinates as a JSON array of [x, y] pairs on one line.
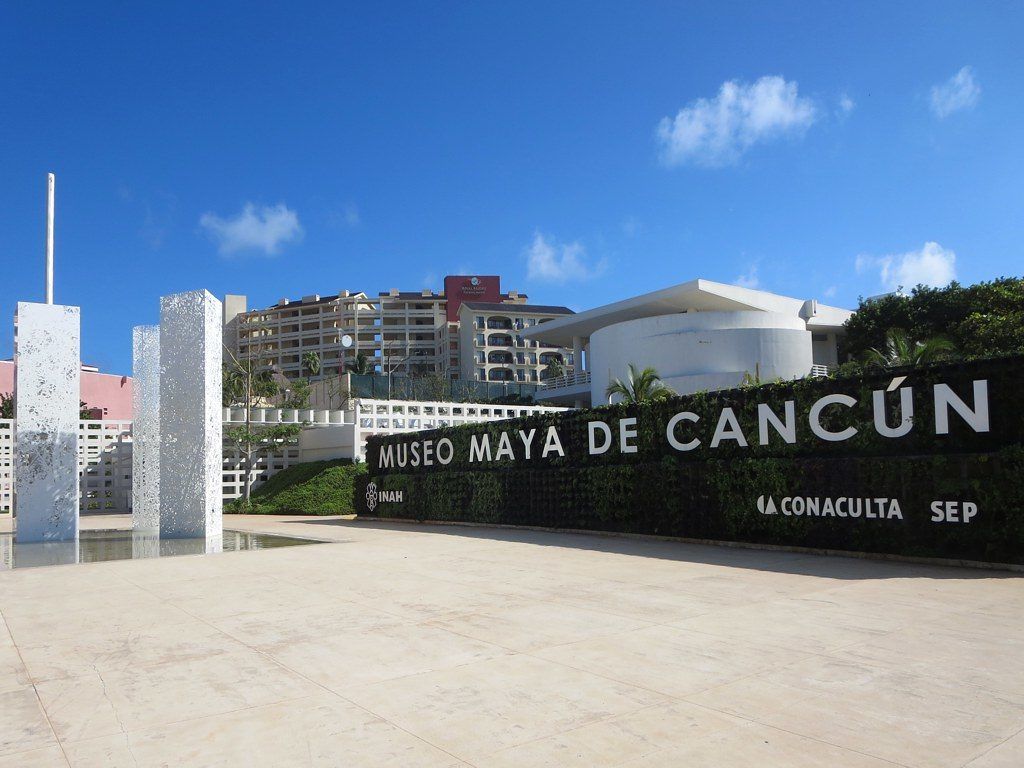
[[146, 429], [47, 390], [191, 443], [577, 354]]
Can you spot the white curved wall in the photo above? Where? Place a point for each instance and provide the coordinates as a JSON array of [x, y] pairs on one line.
[[702, 350]]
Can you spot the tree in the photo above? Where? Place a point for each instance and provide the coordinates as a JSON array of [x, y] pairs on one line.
[[311, 363], [901, 350], [553, 369], [639, 387], [297, 395], [243, 385], [361, 365], [982, 320]]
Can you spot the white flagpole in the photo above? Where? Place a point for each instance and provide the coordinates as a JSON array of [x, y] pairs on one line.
[[50, 183]]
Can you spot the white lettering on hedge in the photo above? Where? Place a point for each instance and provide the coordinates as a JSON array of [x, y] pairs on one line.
[[670, 431], [552, 443], [728, 428], [601, 435], [593, 427], [766, 416], [527, 438], [976, 418], [906, 413], [844, 506], [479, 448], [447, 444], [627, 431], [504, 448], [814, 417]]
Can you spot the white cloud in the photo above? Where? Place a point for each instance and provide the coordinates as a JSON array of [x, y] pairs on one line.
[[749, 279], [959, 92], [932, 265], [830, 292], [264, 228], [846, 105], [716, 132], [555, 262]]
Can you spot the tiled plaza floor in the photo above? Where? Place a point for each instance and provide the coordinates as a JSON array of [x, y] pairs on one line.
[[412, 646]]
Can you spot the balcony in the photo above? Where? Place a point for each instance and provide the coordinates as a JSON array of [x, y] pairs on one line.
[[575, 379], [499, 340], [500, 357], [499, 323]]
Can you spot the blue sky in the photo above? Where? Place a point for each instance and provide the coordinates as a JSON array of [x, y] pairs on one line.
[[585, 152]]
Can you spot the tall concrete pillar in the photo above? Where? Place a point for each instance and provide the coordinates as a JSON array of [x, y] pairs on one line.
[[146, 429], [190, 417], [47, 389], [577, 354]]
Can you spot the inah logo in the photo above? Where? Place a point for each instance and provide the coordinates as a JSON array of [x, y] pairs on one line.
[[474, 281], [375, 496], [371, 496], [768, 509]]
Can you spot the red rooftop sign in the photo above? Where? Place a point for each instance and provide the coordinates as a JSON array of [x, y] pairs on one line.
[[460, 288]]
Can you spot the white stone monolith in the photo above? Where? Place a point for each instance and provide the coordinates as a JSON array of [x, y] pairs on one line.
[[191, 444], [146, 429], [47, 389]]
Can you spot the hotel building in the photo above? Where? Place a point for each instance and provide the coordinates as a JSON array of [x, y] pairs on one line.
[[405, 333]]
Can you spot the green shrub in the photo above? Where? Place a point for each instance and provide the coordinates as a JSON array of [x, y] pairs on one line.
[[313, 488]]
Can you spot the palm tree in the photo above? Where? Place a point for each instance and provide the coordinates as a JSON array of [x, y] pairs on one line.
[[311, 362], [639, 387], [360, 366], [901, 350]]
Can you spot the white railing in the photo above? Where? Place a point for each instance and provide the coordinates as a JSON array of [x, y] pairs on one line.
[[574, 379], [310, 417], [818, 371]]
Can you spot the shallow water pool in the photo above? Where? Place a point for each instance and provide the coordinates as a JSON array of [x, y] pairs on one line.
[[97, 546]]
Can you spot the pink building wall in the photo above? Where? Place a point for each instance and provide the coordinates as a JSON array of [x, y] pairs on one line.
[[111, 393]]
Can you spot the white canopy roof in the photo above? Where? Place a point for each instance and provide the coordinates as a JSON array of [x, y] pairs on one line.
[[694, 296]]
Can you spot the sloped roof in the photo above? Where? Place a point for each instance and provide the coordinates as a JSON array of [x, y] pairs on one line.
[[693, 296]]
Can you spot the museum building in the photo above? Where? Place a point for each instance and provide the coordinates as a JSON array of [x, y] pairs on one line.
[[699, 335]]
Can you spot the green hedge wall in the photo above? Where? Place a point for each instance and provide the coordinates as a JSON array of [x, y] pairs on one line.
[[713, 493]]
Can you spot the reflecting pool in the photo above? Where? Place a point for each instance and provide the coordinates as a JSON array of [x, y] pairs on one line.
[[97, 546]]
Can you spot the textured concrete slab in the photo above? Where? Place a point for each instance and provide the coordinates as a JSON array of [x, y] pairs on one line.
[[146, 428], [442, 646], [191, 428], [47, 388]]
